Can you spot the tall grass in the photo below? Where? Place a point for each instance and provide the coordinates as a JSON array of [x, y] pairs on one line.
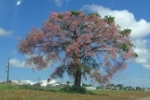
[[8, 86], [66, 89], [16, 92], [27, 87]]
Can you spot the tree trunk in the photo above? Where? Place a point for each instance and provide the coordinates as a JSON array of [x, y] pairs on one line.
[[77, 78]]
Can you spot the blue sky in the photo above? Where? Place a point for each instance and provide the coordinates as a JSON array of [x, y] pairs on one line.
[[17, 17]]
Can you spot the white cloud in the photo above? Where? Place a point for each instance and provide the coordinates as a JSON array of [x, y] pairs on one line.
[[142, 50], [23, 82], [123, 18], [16, 63], [5, 32], [58, 2], [146, 66], [126, 19], [141, 43]]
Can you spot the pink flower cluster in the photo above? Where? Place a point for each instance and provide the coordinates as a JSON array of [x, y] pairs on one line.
[[75, 34]]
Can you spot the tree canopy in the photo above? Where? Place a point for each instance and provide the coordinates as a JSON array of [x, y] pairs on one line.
[[85, 44]]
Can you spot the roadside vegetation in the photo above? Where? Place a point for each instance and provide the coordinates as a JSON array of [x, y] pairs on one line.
[[15, 92]]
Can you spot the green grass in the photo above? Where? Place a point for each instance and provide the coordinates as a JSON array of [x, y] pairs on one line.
[[14, 92], [7, 87]]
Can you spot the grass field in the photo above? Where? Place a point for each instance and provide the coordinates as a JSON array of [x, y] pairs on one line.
[[9, 92]]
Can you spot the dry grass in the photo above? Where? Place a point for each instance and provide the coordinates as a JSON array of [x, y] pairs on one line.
[[43, 95]]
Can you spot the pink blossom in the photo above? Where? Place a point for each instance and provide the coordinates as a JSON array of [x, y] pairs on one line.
[[70, 37], [54, 15], [128, 55]]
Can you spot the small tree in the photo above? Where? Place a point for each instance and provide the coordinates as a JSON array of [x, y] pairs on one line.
[[85, 44], [68, 82], [138, 88]]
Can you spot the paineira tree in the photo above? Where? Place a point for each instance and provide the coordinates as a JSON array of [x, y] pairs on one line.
[[85, 44]]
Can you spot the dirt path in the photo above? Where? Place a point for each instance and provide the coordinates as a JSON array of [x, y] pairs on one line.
[[147, 98]]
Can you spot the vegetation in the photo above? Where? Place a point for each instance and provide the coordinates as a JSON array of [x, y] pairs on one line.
[[85, 44], [13, 92], [74, 89]]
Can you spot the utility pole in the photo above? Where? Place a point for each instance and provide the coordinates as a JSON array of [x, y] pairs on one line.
[[39, 79], [8, 71]]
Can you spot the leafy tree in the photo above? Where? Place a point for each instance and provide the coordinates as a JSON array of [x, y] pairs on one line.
[[98, 87], [85, 44], [67, 82], [138, 88], [86, 84]]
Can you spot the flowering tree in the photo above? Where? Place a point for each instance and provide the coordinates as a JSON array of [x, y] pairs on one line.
[[85, 44]]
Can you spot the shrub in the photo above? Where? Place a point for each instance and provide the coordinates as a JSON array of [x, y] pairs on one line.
[[74, 89]]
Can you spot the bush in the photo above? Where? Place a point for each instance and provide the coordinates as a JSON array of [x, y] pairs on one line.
[[74, 89]]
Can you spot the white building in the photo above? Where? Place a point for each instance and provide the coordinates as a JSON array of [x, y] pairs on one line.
[[90, 88], [26, 82], [50, 82], [42, 82]]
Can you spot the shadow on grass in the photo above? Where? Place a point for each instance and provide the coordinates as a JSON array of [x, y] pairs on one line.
[[66, 89], [80, 90], [74, 89]]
